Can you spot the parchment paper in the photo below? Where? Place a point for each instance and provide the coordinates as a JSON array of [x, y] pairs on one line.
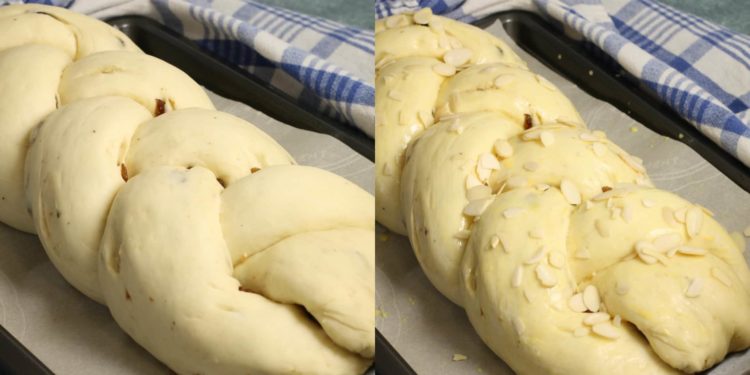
[[72, 334], [427, 329]]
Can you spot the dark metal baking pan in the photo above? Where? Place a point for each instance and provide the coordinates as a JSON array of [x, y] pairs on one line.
[[543, 41], [221, 78]]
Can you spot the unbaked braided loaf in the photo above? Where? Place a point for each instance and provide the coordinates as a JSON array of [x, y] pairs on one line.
[[565, 257], [196, 229]]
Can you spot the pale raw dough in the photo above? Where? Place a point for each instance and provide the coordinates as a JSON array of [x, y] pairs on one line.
[[209, 246], [552, 237], [37, 42]]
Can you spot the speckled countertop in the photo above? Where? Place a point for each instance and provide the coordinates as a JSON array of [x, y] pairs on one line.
[[734, 14]]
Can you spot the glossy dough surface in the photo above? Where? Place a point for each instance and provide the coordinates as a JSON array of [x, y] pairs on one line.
[[564, 255], [209, 246]]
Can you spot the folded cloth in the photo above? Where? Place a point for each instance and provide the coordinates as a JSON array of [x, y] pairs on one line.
[[325, 65], [699, 69]]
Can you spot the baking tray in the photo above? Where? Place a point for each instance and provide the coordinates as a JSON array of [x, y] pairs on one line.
[[218, 76], [578, 61]]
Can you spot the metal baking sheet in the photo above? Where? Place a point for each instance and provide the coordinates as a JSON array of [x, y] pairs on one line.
[[48, 325], [427, 330]]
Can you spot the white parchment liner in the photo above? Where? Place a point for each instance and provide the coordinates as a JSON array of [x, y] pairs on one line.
[[427, 329], [72, 334]]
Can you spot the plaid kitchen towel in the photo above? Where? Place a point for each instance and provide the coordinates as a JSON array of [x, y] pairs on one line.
[[325, 65], [699, 69]]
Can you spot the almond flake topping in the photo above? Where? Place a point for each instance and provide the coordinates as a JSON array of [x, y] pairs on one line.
[[627, 213], [547, 138], [503, 148], [591, 298], [423, 16], [458, 56], [690, 250], [576, 303], [556, 259], [478, 192], [545, 276], [425, 117], [395, 95], [494, 241], [444, 70], [595, 318], [570, 192], [648, 203], [488, 161], [531, 166], [588, 137], [694, 288], [606, 330], [537, 257], [477, 207], [680, 215], [462, 234], [694, 221], [472, 181], [617, 321], [503, 80], [517, 277]]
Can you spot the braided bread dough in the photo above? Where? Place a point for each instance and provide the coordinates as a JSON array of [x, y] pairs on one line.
[[565, 257], [210, 247]]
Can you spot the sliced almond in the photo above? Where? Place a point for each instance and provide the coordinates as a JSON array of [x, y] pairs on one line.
[[494, 241], [576, 303], [617, 321], [599, 149], [423, 16], [472, 181], [591, 298], [477, 207], [694, 288], [556, 259], [680, 214], [588, 137], [595, 318], [531, 166], [517, 277], [503, 80], [488, 161], [694, 221], [667, 241], [627, 213], [478, 192], [503, 148], [458, 56], [463, 234], [545, 276], [691, 250], [547, 138], [444, 70], [395, 95], [537, 257], [648, 203], [570, 192], [606, 330], [425, 117]]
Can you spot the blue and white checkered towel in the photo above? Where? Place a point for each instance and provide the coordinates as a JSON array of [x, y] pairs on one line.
[[327, 66], [699, 69]]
